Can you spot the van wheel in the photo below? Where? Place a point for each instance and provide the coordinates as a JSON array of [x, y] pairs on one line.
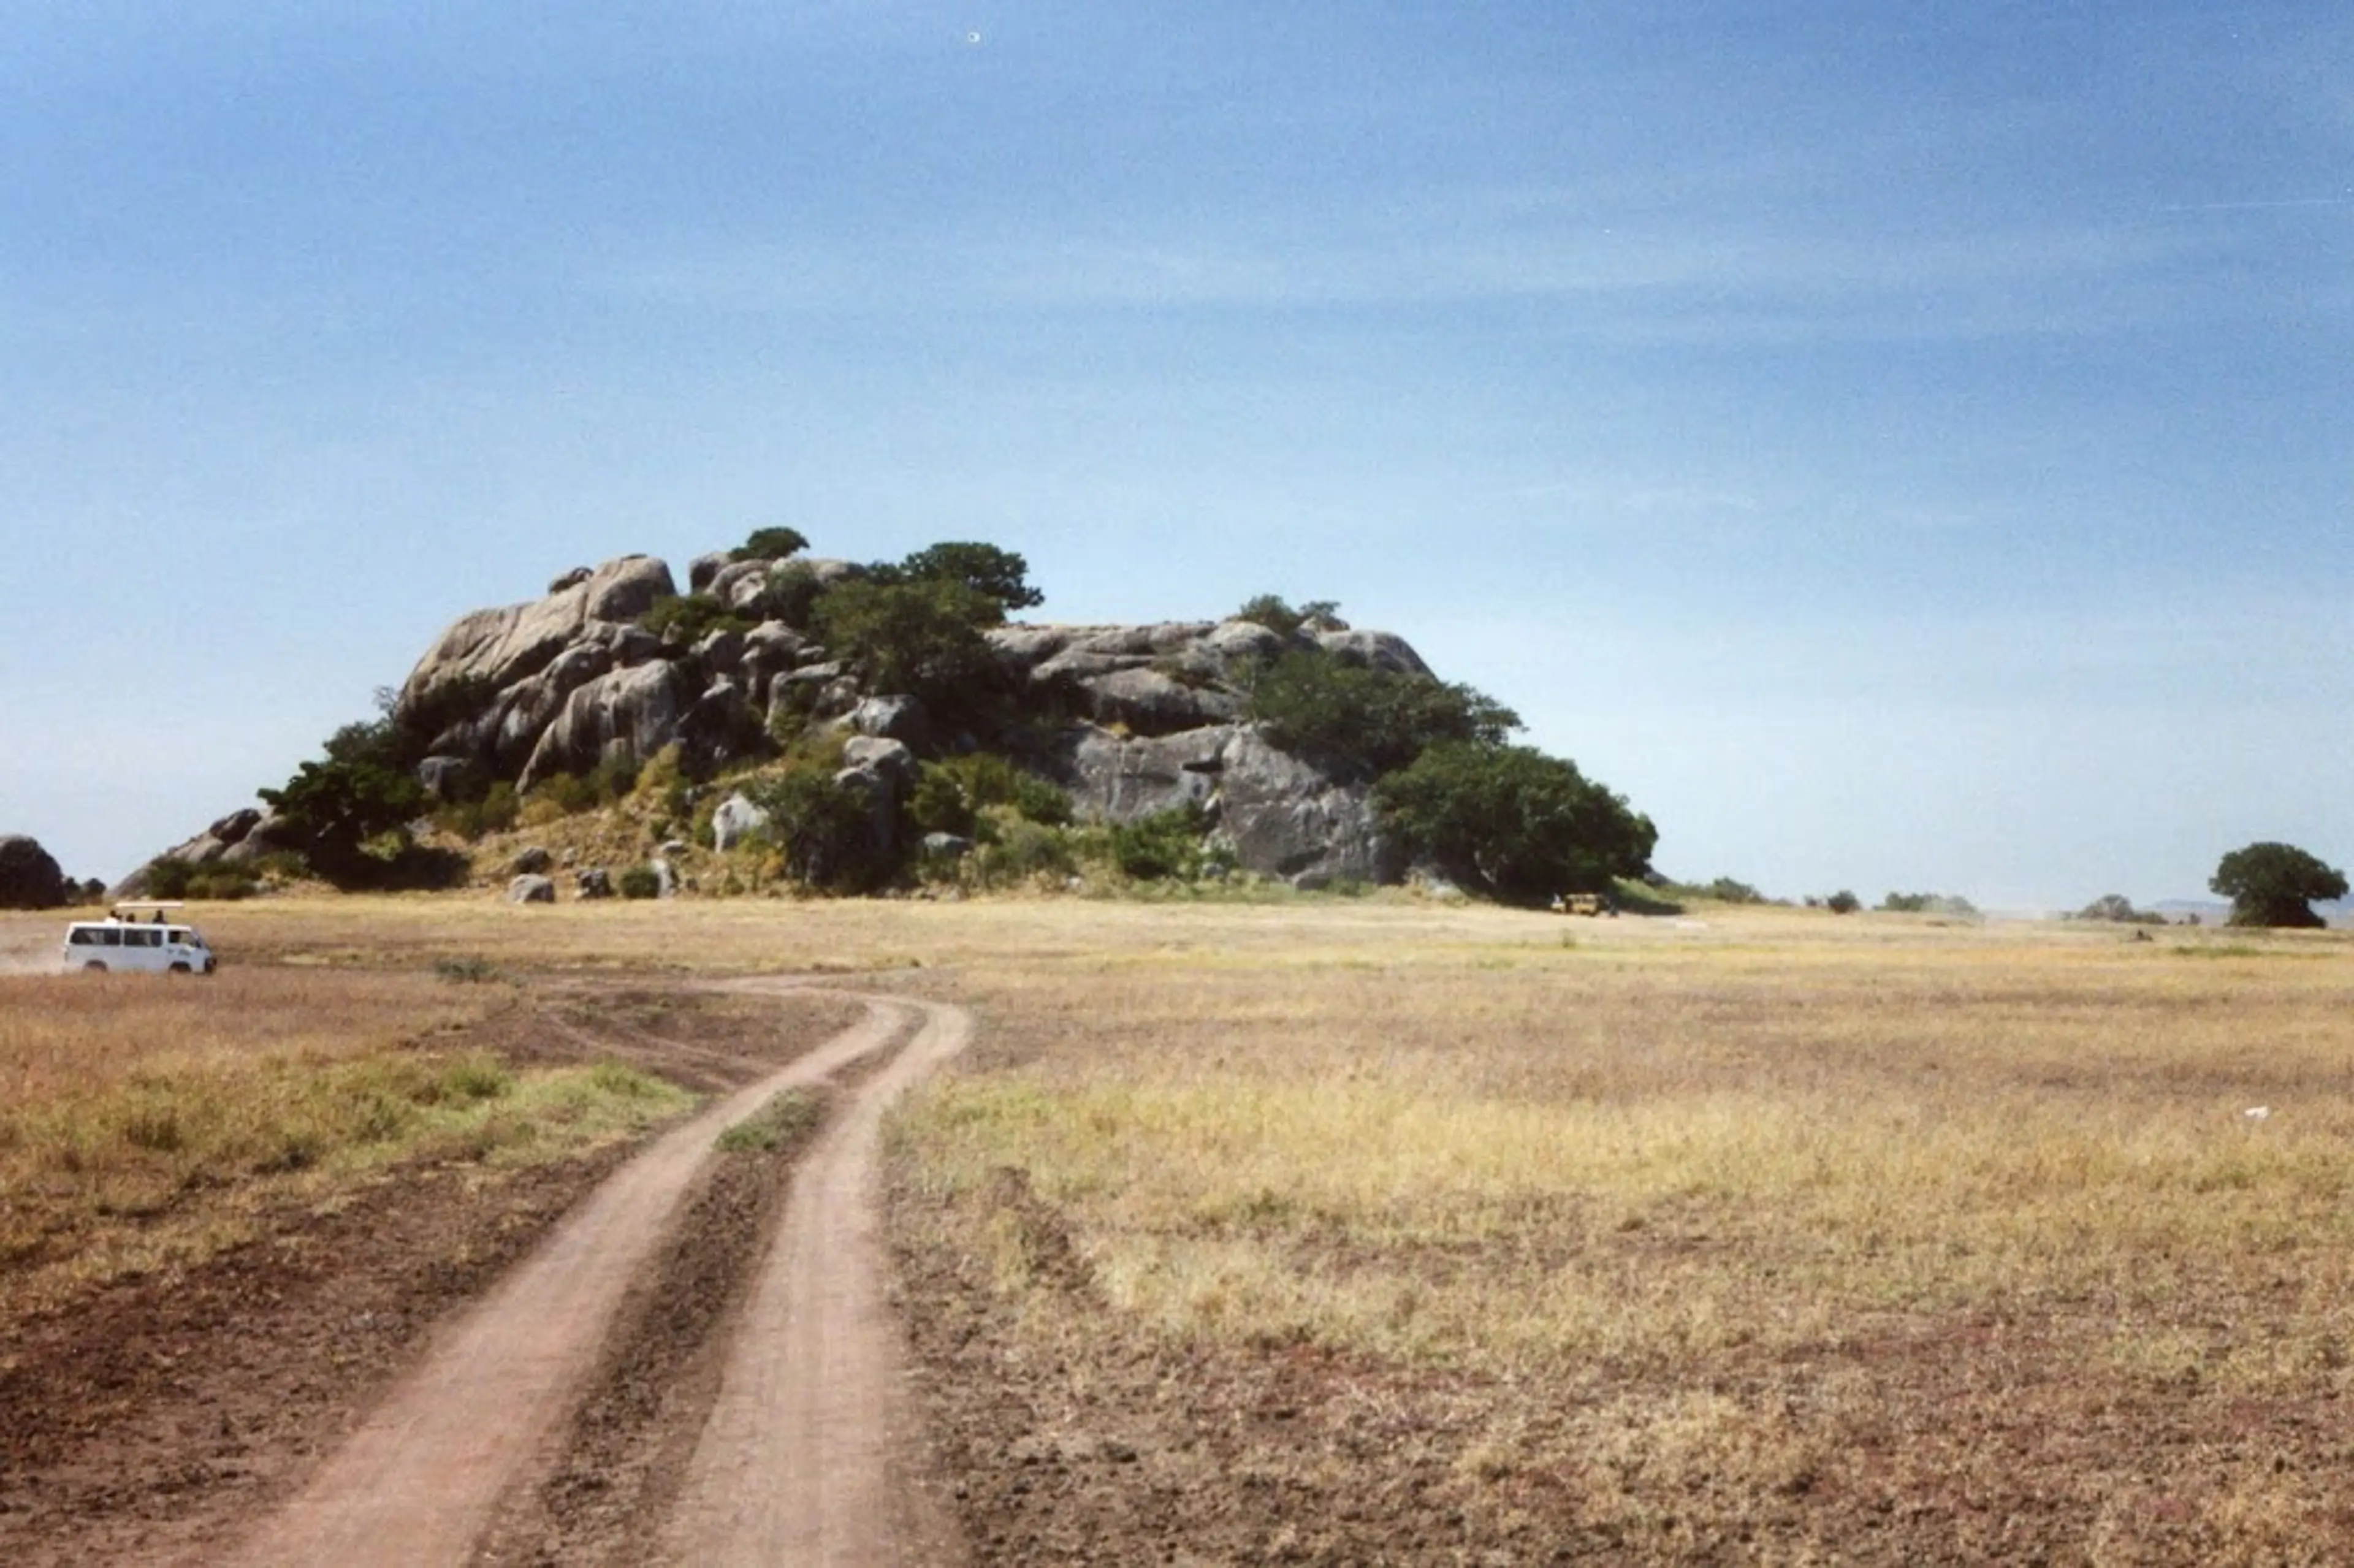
[[93, 968], [182, 969]]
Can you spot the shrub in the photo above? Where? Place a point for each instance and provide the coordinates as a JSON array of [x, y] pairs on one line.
[[1014, 849], [1510, 819], [640, 882], [169, 877], [1843, 903], [922, 637], [495, 813], [1361, 722], [2119, 909], [951, 795], [1164, 846], [824, 833], [683, 617], [770, 544], [1928, 904], [1271, 611]]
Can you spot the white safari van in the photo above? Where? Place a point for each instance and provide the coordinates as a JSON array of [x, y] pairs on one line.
[[144, 938]]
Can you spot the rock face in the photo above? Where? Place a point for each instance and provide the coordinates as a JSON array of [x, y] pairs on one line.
[[29, 878], [1129, 719]]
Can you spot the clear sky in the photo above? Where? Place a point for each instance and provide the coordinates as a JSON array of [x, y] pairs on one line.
[[1900, 446]]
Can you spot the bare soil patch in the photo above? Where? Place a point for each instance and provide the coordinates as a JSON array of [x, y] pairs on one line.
[[147, 1418]]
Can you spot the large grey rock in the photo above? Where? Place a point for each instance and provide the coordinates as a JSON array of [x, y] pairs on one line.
[[592, 881], [1285, 818], [736, 820], [1119, 778], [1149, 702], [902, 719], [442, 777], [1232, 640], [530, 860], [1382, 650], [880, 754], [531, 889], [513, 643], [702, 568], [29, 878], [630, 714]]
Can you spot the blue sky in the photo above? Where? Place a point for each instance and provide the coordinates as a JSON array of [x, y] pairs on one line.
[[1898, 446]]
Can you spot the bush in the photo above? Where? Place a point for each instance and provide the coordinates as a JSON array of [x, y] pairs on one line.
[[1929, 904], [1509, 819], [1014, 849], [169, 877], [681, 618], [1843, 903], [770, 544], [1165, 847], [824, 833], [2118, 909], [1271, 611], [495, 813], [1359, 722], [640, 882], [920, 637], [951, 795]]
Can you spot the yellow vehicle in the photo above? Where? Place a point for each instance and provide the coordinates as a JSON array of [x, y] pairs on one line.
[[1587, 904]]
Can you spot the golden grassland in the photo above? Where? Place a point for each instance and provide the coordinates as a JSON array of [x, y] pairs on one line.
[[146, 1122], [1704, 1222]]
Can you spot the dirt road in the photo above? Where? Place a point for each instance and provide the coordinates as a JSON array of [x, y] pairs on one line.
[[794, 1464], [417, 1482]]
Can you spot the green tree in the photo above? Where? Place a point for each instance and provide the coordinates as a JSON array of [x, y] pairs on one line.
[[770, 544], [1514, 822], [2274, 885], [921, 636], [1361, 722], [826, 831], [999, 575], [1282, 618]]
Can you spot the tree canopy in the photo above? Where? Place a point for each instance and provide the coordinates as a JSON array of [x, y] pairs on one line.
[[1361, 722], [1513, 822], [2274, 885]]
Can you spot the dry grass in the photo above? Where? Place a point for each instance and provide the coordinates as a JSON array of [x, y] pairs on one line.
[[1703, 1224], [146, 1123], [1764, 1236]]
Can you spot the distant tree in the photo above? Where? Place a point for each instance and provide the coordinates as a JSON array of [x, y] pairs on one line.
[[1731, 890], [1928, 904], [2117, 908], [1843, 902], [770, 544], [2274, 885], [1513, 822]]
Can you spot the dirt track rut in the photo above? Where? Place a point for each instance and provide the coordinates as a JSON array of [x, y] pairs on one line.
[[415, 1483]]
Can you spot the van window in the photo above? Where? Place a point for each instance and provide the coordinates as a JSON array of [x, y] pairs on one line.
[[150, 937], [82, 937], [110, 937]]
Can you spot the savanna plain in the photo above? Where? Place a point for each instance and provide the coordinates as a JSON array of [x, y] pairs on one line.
[[1314, 1229]]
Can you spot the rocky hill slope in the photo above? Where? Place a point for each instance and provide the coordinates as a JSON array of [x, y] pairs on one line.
[[615, 664]]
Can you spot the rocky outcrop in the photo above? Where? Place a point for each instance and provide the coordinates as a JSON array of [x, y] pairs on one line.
[[1132, 719], [1282, 817], [507, 646], [29, 878]]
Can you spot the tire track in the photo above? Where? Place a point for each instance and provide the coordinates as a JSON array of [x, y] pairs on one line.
[[415, 1482], [797, 1461]]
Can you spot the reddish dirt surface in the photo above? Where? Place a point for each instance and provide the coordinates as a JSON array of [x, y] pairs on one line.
[[152, 1419], [801, 1458]]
